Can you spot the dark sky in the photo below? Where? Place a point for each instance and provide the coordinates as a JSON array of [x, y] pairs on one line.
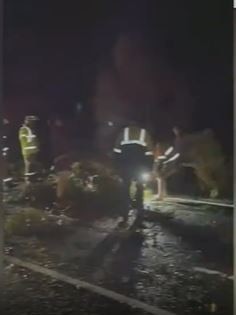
[[173, 56]]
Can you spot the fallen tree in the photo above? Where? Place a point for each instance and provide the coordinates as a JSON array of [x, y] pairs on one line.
[[87, 186], [203, 153]]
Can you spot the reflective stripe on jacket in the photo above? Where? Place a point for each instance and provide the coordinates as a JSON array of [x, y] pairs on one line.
[[134, 135], [28, 141]]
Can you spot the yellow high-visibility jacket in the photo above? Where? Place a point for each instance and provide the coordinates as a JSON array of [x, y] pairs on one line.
[[134, 135], [28, 141]]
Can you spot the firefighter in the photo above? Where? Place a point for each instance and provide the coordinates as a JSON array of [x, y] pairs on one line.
[[29, 147], [134, 154]]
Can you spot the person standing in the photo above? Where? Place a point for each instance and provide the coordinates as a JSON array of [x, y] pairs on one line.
[[29, 143], [134, 156]]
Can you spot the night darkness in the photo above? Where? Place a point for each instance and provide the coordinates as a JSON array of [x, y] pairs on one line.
[[113, 56]]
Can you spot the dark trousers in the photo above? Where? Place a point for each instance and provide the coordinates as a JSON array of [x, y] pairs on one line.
[[138, 198], [132, 163], [127, 181]]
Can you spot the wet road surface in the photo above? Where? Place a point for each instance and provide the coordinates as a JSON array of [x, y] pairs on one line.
[[168, 264]]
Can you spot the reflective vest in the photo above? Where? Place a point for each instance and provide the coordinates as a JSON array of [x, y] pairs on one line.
[[169, 156], [134, 135], [28, 141]]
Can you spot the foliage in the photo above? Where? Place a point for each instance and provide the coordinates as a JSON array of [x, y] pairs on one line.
[[41, 194], [209, 163], [26, 222], [92, 167], [109, 192], [90, 186], [203, 152]]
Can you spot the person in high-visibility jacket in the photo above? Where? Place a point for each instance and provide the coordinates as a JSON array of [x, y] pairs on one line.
[[134, 156], [29, 146]]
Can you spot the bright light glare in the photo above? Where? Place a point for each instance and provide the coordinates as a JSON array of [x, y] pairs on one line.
[[145, 177], [110, 124]]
